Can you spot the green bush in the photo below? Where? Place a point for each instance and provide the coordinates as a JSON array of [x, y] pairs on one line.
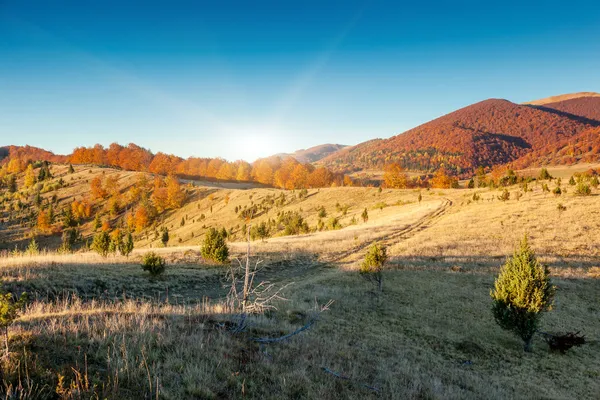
[[153, 263], [214, 246], [583, 189], [544, 175], [522, 291], [260, 231], [126, 246], [333, 224], [504, 196]]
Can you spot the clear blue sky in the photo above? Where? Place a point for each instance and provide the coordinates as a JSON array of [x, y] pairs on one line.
[[251, 78]]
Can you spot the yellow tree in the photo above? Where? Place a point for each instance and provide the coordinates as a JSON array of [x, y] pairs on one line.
[[441, 180], [175, 195], [394, 177], [29, 176], [43, 222]]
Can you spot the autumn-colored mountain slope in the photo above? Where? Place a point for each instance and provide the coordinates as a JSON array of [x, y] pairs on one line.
[[487, 133], [584, 107], [313, 154]]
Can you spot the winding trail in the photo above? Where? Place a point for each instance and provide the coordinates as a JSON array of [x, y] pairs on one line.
[[403, 232]]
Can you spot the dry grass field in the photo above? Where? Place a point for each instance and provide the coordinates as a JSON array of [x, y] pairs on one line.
[[102, 328]]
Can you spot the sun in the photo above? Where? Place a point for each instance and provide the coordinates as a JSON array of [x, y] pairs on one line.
[[250, 144]]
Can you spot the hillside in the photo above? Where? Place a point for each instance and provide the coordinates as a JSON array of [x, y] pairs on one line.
[[562, 97], [488, 133], [584, 107], [313, 154], [429, 334]]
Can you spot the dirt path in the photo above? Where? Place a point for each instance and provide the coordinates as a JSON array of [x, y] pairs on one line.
[[402, 233]]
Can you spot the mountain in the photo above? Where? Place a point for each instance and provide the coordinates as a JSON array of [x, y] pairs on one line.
[[313, 154], [584, 107], [488, 133], [562, 97]]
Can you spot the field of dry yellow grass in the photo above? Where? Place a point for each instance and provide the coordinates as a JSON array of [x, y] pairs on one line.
[[102, 328]]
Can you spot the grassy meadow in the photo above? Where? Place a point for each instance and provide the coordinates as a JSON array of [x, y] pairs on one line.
[[102, 328]]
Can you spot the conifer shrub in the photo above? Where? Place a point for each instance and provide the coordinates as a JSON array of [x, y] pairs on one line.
[[101, 243], [522, 292], [9, 311], [583, 189], [126, 246], [214, 247], [260, 231], [557, 191], [572, 181], [544, 175], [164, 237], [365, 214], [372, 266], [504, 196], [153, 263]]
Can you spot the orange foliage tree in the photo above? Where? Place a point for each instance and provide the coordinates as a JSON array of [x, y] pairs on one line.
[[394, 177]]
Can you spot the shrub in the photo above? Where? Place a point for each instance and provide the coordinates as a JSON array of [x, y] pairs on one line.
[[164, 237], [9, 311], [557, 191], [214, 246], [583, 189], [572, 181], [322, 212], [101, 243], [260, 231], [69, 238], [153, 263], [126, 246], [561, 207], [504, 196], [522, 291], [365, 214], [544, 175], [372, 266], [293, 223], [33, 248], [333, 224]]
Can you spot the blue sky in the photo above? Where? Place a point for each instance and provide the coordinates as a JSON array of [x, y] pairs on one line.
[[252, 78]]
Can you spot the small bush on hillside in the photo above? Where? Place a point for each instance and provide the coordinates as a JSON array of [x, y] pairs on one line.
[[583, 189], [372, 266], [322, 212], [260, 231], [560, 207], [557, 191], [153, 263], [522, 292], [365, 214], [33, 248], [572, 181], [214, 246], [293, 223], [504, 196], [164, 237], [544, 175], [333, 224]]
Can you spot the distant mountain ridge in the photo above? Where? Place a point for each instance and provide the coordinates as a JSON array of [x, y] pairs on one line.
[[489, 133], [561, 97], [313, 154]]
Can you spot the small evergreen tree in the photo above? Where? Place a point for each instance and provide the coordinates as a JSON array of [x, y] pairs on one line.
[[164, 238], [544, 175], [522, 291], [260, 231], [572, 181], [153, 263], [365, 215], [127, 245], [214, 246], [33, 248], [557, 191], [471, 184], [101, 243], [372, 266], [9, 311], [71, 169]]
